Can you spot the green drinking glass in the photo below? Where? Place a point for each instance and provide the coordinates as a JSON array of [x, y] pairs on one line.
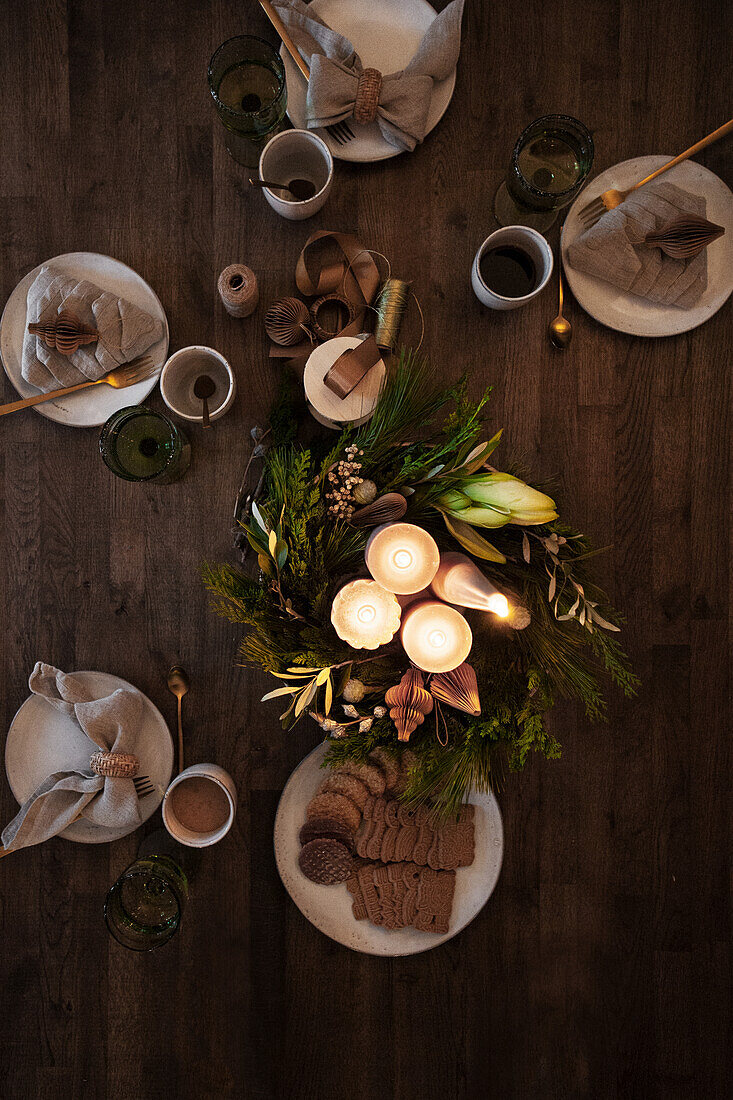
[[550, 163], [247, 84], [138, 444], [144, 907]]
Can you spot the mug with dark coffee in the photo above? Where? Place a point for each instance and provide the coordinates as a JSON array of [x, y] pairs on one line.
[[511, 267], [199, 805]]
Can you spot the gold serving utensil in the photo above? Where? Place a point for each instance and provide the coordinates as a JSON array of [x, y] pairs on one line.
[[178, 686], [339, 131], [612, 198], [559, 329], [119, 379]]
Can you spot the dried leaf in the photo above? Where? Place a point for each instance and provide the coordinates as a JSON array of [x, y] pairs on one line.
[[526, 552], [279, 691], [553, 585], [258, 517], [603, 622], [272, 543], [471, 540], [304, 698], [323, 675], [329, 695]]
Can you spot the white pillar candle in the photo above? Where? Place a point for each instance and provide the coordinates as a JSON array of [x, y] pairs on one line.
[[403, 558], [459, 580], [435, 636], [365, 615]]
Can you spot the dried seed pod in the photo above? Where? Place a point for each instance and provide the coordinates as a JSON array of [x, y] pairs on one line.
[[115, 765], [384, 509], [66, 333], [409, 702], [684, 237], [458, 688], [285, 321], [365, 492]]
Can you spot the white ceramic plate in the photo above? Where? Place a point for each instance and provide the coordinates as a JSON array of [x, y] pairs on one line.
[[329, 907], [41, 740], [88, 408], [386, 34], [628, 312]]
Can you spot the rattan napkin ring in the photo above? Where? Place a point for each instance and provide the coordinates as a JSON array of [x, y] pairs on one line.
[[367, 96], [343, 304], [114, 765]]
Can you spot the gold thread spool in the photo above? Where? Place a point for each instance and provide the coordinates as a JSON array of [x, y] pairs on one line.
[[391, 306], [238, 290]]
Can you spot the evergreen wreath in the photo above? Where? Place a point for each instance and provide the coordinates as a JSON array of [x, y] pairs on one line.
[[423, 442]]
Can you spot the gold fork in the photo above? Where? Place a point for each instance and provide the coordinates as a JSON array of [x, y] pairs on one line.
[[610, 199], [119, 378]]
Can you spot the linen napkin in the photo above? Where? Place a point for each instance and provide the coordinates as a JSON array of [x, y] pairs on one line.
[[404, 100], [111, 723], [125, 331], [613, 248]]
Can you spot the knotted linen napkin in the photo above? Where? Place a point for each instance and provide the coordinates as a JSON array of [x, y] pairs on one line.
[[111, 723], [613, 249], [335, 67], [125, 331]]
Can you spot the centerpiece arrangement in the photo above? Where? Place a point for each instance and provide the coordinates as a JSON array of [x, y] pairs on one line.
[[386, 614]]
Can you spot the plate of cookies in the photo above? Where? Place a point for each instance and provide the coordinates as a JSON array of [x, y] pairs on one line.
[[373, 874]]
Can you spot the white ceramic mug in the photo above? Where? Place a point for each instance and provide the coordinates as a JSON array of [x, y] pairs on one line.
[[177, 829], [297, 154], [529, 241], [178, 379]]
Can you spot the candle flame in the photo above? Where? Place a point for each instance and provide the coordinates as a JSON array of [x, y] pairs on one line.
[[499, 604]]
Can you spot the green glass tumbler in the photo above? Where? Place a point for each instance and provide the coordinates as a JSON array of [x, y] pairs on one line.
[[138, 444], [550, 163], [144, 907], [247, 84]]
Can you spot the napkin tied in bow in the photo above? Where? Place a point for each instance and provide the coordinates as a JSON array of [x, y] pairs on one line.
[[336, 68]]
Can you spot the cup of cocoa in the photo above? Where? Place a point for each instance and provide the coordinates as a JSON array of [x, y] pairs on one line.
[[199, 805]]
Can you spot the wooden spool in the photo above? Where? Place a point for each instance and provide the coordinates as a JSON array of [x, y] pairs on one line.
[[65, 334]]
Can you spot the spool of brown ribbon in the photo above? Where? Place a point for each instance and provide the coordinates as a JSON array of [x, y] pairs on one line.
[[333, 264], [238, 290], [351, 366]]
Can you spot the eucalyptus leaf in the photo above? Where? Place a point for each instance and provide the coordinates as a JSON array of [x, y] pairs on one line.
[[329, 695], [281, 553], [272, 543], [279, 691], [526, 552]]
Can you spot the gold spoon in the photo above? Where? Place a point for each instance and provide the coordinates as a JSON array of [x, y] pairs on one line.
[[178, 685], [559, 329]]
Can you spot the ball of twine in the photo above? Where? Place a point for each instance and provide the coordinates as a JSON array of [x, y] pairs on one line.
[[238, 290]]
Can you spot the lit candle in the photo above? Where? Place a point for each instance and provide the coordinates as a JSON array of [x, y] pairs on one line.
[[435, 636], [402, 557], [459, 581], [365, 615]]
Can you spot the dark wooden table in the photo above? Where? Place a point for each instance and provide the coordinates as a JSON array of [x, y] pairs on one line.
[[599, 968]]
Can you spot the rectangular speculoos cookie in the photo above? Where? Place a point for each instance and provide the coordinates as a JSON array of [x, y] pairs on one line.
[[399, 895], [392, 832]]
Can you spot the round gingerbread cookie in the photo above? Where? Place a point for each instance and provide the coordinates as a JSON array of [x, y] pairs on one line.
[[348, 785], [371, 776], [325, 861], [336, 806], [325, 828]]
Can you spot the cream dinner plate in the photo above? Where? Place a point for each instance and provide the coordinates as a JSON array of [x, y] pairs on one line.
[[42, 740], [628, 312], [386, 34], [92, 407], [329, 907]]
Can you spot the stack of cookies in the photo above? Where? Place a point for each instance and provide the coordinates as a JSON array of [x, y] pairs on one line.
[[397, 862], [334, 815]]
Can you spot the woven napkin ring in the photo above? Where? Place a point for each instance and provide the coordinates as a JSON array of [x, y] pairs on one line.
[[114, 765], [346, 308], [367, 96]]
